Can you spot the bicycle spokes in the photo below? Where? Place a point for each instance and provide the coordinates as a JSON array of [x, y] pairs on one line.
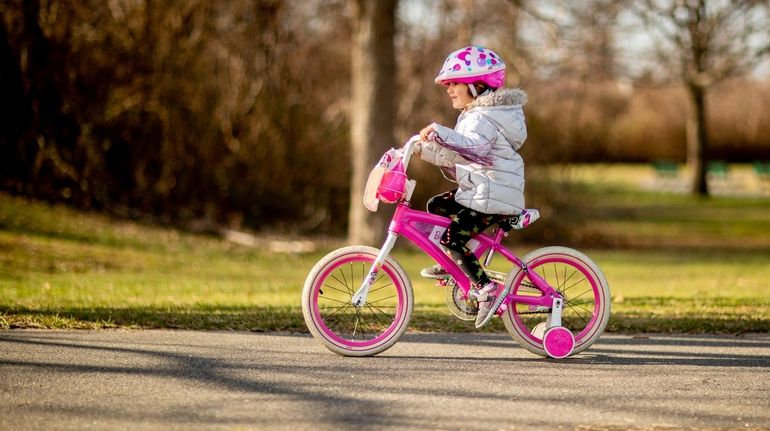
[[345, 319], [575, 289]]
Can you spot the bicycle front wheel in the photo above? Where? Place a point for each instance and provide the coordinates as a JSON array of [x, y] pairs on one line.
[[586, 298], [344, 328]]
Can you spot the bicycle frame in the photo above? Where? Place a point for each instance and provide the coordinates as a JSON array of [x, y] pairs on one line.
[[407, 222]]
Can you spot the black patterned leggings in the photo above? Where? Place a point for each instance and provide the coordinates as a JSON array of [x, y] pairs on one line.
[[466, 224]]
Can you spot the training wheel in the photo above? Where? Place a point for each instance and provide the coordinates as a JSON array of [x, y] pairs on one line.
[[558, 342], [539, 330]]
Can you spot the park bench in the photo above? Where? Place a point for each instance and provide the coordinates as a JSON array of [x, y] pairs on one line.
[[665, 168], [718, 170], [718, 176], [762, 169], [666, 174]]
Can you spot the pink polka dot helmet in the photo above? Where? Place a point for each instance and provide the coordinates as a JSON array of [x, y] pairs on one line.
[[473, 64]]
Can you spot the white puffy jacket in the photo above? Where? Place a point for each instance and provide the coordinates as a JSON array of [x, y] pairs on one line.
[[482, 149]]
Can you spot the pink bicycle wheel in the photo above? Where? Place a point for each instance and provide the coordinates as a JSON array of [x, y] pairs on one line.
[[586, 299], [336, 322]]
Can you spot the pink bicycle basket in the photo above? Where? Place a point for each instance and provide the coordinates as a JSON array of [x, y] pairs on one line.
[[393, 184]]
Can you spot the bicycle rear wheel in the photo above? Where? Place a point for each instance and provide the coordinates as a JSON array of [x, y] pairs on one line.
[[586, 298], [356, 331]]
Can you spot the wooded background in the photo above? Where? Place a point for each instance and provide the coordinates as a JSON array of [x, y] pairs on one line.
[[238, 112]]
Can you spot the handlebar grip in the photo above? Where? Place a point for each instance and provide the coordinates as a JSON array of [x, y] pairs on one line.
[[409, 148]]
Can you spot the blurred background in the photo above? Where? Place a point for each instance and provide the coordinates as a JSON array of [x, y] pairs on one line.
[[238, 113]]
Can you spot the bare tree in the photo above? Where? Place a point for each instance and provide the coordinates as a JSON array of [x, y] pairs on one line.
[[372, 107], [712, 40], [594, 37], [198, 114]]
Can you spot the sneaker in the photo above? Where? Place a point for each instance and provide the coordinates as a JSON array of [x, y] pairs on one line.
[[435, 271], [489, 301]]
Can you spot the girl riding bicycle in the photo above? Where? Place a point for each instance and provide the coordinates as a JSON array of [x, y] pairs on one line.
[[554, 301], [480, 153]]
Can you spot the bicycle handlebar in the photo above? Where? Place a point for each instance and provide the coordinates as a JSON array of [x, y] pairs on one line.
[[409, 148]]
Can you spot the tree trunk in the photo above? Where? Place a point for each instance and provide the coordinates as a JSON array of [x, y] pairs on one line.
[[16, 113], [372, 108], [695, 71], [697, 139]]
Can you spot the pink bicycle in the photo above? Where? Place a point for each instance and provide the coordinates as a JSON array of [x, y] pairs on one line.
[[357, 300]]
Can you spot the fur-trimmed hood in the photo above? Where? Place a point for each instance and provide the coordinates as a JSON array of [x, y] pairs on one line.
[[504, 108], [502, 97]]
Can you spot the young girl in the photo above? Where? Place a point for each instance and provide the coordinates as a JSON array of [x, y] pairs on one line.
[[481, 153]]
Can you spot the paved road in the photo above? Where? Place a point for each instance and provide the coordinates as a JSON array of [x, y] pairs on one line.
[[179, 380]]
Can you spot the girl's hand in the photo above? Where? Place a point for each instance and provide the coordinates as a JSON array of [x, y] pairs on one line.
[[425, 133]]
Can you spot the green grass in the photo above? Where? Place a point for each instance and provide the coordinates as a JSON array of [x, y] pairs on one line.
[[684, 265]]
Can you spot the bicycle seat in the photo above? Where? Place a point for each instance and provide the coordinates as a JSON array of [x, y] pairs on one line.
[[518, 222]]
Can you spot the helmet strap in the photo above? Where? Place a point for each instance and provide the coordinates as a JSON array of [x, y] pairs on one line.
[[473, 90]]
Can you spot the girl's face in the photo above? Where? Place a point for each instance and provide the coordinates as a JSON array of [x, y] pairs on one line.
[[459, 94]]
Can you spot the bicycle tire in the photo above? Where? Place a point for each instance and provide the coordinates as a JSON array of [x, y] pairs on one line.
[[343, 328], [587, 299]]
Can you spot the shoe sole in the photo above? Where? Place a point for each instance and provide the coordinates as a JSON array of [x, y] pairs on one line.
[[435, 276]]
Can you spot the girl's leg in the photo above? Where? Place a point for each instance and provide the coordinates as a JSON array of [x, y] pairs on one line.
[[444, 204], [465, 225]]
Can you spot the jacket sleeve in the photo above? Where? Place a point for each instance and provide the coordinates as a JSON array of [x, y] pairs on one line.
[[472, 139], [435, 154]]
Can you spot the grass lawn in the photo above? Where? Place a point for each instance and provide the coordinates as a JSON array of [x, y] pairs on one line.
[[683, 265]]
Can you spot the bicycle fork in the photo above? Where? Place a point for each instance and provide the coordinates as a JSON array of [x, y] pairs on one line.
[[359, 298]]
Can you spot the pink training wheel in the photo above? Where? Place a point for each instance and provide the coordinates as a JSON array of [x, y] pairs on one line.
[[558, 342]]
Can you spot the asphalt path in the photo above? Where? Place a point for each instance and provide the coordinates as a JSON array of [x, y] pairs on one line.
[[184, 380]]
